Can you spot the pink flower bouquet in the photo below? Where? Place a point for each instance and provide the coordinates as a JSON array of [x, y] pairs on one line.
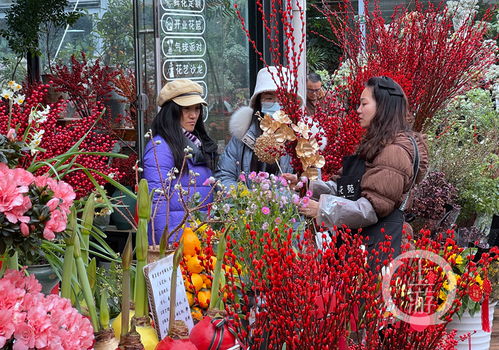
[[32, 208], [31, 320]]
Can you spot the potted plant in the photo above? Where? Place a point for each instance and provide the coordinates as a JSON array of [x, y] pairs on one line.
[[462, 141]]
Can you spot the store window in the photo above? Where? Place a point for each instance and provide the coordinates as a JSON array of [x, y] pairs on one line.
[[202, 40], [105, 32]]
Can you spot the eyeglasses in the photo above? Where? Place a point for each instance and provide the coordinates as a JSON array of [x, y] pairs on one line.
[[314, 91]]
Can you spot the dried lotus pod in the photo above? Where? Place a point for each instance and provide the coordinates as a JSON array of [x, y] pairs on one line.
[[267, 149]]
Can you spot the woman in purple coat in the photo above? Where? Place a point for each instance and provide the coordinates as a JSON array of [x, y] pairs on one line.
[[177, 126]]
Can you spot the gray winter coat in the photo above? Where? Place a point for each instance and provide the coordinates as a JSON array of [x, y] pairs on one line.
[[237, 155]]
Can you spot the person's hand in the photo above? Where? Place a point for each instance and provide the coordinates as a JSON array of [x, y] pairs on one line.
[[292, 179], [311, 209]]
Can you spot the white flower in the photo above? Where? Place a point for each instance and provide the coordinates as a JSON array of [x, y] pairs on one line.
[[14, 86], [19, 99], [158, 142], [111, 175], [37, 116], [35, 141], [177, 187], [140, 170], [7, 94]]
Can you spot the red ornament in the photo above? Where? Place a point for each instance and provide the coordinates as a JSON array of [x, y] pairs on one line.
[[175, 344], [213, 334], [475, 293]]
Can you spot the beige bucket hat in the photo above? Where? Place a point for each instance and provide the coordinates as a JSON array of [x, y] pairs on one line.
[[183, 92]]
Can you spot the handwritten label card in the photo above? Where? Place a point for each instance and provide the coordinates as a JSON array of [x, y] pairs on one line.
[[158, 279]]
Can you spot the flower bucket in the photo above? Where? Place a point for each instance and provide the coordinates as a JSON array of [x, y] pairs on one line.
[[45, 275], [479, 339]]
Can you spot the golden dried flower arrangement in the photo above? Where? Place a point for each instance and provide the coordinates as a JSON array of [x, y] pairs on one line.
[[279, 129]]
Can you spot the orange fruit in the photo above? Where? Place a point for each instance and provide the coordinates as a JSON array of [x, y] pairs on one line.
[[197, 314], [194, 264], [206, 281], [213, 262], [204, 298], [197, 281], [191, 241], [190, 298], [189, 287]]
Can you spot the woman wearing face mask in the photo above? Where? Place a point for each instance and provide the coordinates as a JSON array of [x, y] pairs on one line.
[[244, 126], [374, 184], [178, 124]]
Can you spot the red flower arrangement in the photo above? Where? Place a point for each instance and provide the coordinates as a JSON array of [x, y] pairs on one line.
[[330, 297], [58, 139], [417, 48]]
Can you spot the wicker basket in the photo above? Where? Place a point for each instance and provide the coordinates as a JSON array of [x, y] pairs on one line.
[[153, 253]]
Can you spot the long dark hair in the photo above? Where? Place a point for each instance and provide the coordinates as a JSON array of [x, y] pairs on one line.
[[390, 117], [167, 125]]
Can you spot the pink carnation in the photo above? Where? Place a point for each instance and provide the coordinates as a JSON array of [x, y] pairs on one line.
[[63, 191], [37, 321], [24, 229], [22, 177], [25, 337], [11, 134], [13, 202], [56, 223], [41, 181], [6, 326]]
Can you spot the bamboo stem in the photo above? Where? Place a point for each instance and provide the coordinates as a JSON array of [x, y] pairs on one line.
[[126, 262], [215, 301], [142, 245], [177, 256], [87, 291], [87, 222], [67, 269]]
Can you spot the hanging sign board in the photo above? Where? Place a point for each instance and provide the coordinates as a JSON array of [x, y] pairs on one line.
[[179, 46], [184, 68], [158, 279], [182, 24], [183, 5], [183, 46]]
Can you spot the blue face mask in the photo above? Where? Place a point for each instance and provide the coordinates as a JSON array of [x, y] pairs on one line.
[[270, 107]]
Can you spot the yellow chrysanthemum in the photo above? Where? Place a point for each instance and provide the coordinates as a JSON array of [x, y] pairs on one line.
[[479, 280], [458, 259]]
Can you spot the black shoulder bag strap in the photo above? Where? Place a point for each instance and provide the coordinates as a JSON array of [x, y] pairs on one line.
[[415, 165]]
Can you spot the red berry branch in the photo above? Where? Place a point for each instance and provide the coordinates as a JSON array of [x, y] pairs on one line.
[[58, 139], [305, 297], [420, 49]]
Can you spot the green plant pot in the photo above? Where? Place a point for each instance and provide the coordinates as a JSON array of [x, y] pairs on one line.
[[45, 275]]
